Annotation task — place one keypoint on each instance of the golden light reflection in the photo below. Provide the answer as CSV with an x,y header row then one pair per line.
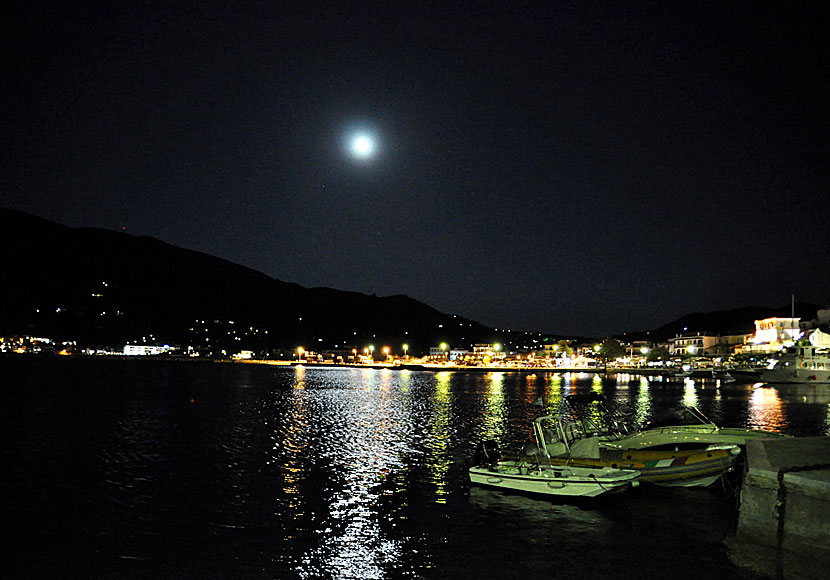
x,y
386,379
299,377
642,410
690,397
494,411
291,442
439,461
552,395
766,410
596,383
406,380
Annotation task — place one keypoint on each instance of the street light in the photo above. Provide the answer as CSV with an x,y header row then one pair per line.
x,y
300,351
386,352
405,348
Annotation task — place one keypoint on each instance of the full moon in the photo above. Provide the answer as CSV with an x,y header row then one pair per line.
x,y
362,145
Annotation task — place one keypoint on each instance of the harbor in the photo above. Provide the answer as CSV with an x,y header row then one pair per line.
x,y
140,468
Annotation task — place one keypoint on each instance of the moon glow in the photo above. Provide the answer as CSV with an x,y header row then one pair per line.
x,y
362,145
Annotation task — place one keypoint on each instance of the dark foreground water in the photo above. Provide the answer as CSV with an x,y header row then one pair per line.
x,y
144,469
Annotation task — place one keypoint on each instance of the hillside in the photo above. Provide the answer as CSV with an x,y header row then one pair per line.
x,y
99,286
726,322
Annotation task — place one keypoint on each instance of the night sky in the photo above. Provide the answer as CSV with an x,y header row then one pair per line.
x,y
571,168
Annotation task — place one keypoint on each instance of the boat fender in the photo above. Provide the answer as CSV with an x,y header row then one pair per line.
x,y
487,453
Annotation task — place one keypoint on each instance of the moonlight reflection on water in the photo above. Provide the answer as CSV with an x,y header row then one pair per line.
x,y
133,469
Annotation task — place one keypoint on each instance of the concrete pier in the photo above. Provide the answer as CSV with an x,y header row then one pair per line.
x,y
784,520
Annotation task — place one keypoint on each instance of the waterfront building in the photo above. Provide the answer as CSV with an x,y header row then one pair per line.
x,y
145,350
772,335
692,344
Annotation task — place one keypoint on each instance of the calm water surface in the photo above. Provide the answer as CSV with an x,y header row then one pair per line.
x,y
146,469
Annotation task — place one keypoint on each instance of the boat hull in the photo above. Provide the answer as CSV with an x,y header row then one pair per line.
x,y
558,480
794,375
692,468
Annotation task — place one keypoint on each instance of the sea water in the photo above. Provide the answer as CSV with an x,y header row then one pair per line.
x,y
171,469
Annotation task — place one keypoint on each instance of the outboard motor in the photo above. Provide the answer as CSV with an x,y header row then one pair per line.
x,y
487,453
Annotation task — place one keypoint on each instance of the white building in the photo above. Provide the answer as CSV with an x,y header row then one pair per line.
x,y
692,344
145,350
773,334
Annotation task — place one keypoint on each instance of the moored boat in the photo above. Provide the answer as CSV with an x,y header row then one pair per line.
x,y
682,427
803,363
541,477
568,443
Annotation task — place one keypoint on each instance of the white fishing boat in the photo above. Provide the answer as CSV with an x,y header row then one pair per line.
x,y
803,363
537,475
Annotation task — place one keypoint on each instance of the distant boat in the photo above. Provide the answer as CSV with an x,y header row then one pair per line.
x,y
802,363
722,376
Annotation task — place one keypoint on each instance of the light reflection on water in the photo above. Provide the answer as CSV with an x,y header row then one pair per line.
x,y
245,471
766,410
690,398
642,409
356,440
439,436
494,409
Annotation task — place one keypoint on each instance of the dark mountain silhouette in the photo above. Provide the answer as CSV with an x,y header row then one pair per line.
x,y
726,322
100,286
97,286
